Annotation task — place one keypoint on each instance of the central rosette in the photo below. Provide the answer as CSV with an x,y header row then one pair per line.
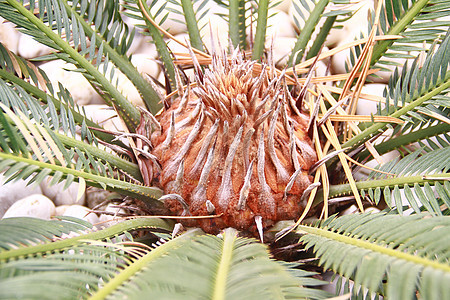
x,y
236,146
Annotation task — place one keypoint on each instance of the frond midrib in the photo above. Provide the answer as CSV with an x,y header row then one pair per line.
x,y
323,232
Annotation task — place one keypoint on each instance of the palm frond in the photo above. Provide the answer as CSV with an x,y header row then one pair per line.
x,y
410,181
409,253
39,261
419,22
216,268
93,51
307,17
31,150
417,87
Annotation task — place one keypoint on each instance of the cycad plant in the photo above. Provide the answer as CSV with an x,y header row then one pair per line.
x,y
237,148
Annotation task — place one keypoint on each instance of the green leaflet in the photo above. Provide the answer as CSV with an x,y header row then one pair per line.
x,y
410,252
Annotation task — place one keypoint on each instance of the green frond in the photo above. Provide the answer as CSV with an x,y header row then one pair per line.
x,y
416,20
308,24
36,151
237,23
36,237
92,51
409,253
41,262
214,268
412,179
141,11
418,86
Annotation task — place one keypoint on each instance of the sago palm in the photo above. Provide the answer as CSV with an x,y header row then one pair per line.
x,y
246,148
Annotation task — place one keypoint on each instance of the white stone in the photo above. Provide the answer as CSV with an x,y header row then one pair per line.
x,y
218,27
29,48
368,107
9,36
78,86
363,173
105,116
282,48
278,25
108,220
285,5
61,196
37,206
60,210
174,23
81,212
13,191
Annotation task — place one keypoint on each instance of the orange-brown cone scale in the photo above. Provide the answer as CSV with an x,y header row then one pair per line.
x,y
236,146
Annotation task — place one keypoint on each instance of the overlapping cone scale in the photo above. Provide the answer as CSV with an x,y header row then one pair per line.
x,y
234,145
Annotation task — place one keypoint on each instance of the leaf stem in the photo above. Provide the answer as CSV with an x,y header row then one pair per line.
x,y
109,232
323,232
344,189
123,187
377,126
260,36
224,264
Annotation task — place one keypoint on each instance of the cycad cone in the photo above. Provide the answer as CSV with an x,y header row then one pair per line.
x,y
234,146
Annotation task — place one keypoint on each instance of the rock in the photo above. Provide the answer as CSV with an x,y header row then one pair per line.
x,y
61,196
284,5
219,29
37,206
28,48
365,106
81,212
13,191
279,24
174,23
108,220
282,48
96,196
78,86
105,116
9,36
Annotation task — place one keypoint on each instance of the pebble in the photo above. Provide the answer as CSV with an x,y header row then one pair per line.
x,y
61,196
368,107
14,191
96,196
9,36
108,220
28,48
104,116
80,89
80,212
37,206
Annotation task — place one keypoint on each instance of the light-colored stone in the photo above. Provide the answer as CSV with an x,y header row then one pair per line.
x,y
282,48
285,5
96,196
60,210
28,48
37,206
279,24
363,173
14,191
9,36
81,212
80,89
105,116
108,220
174,23
61,196
368,107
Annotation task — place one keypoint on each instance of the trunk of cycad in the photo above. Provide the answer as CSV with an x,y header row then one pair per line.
x,y
235,146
